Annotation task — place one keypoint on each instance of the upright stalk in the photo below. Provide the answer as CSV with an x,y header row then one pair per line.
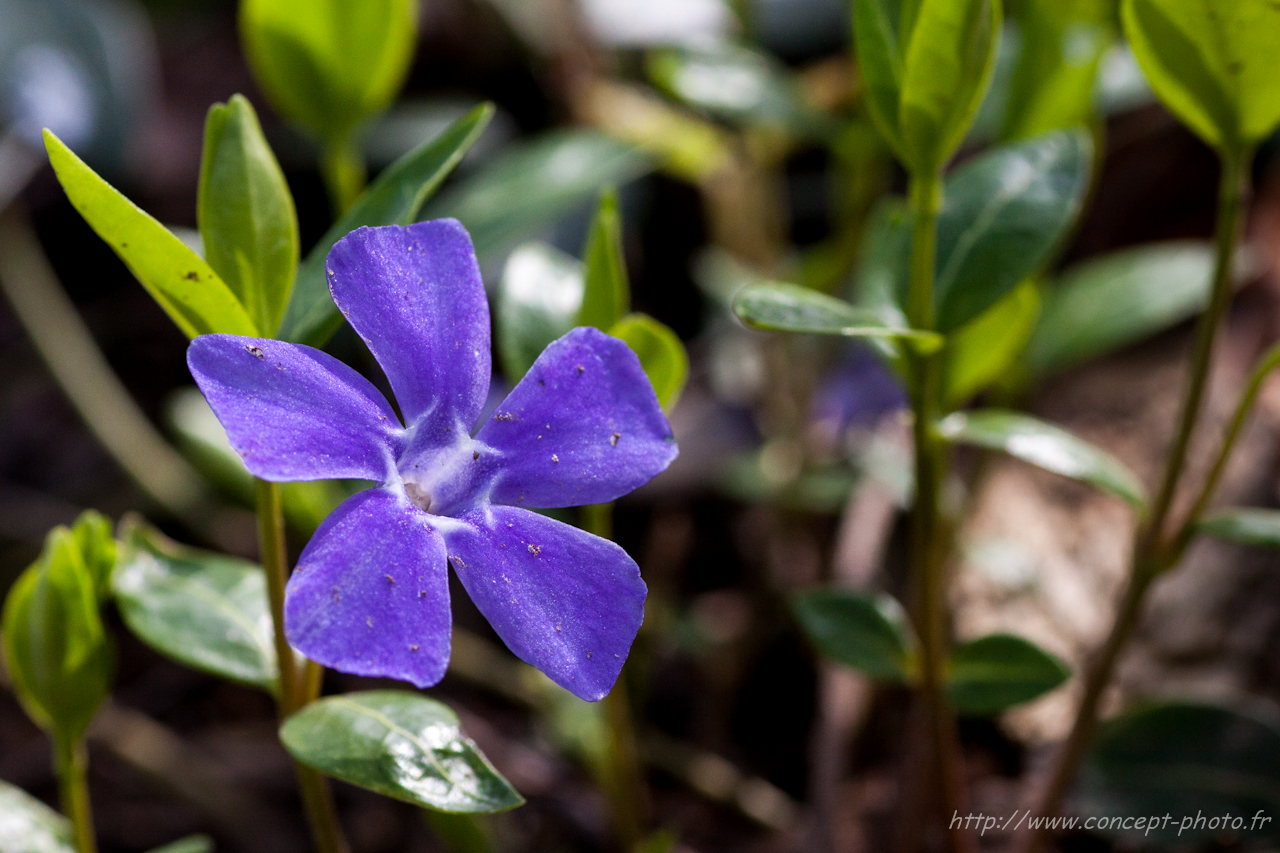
x,y
625,786
342,167
928,566
71,764
295,686
1152,555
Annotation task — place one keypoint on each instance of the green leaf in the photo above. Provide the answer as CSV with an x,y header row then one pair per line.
x,y
331,64
1186,759
992,673
190,844
606,296
1214,64
979,353
1106,303
186,287
946,67
394,198
1003,213
57,652
1245,525
790,308
399,744
538,299
97,547
29,826
246,214
864,631
1045,446
879,34
532,184
662,355
737,84
204,610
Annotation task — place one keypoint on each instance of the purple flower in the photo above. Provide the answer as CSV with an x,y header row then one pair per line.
x,y
371,593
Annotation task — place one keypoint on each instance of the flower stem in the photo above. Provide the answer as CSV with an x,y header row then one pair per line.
x,y
72,762
342,167
928,565
1151,555
625,783
295,686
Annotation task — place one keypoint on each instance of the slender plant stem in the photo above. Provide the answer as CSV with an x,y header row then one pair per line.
x,y
1151,555
342,167
295,686
72,762
928,566
625,783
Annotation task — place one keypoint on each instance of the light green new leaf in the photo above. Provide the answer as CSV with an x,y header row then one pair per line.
x,y
532,184
246,213
864,631
29,826
329,64
992,673
189,844
1045,446
661,354
1189,759
606,297
204,610
946,68
1245,525
980,352
786,307
538,299
394,198
97,546
1106,303
879,34
189,291
1214,63
56,650
399,744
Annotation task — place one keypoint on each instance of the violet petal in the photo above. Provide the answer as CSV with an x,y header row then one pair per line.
x,y
582,427
293,412
415,295
370,595
563,600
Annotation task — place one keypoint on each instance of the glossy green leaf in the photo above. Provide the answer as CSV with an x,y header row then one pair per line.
x,y
864,631
329,64
399,744
946,67
55,647
1214,63
606,295
204,610
189,291
1189,760
737,84
97,545
790,308
662,355
992,673
394,198
1245,525
1002,214
190,844
29,826
1106,303
246,214
1045,446
879,35
538,299
980,352
528,187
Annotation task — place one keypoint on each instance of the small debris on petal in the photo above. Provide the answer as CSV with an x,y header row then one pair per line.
x,y
555,458
590,654
581,368
390,579
557,627
254,351
413,647
368,620
335,595
475,454
534,549
613,439
504,416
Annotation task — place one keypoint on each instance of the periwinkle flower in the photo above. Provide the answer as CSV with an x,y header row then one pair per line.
x,y
370,594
